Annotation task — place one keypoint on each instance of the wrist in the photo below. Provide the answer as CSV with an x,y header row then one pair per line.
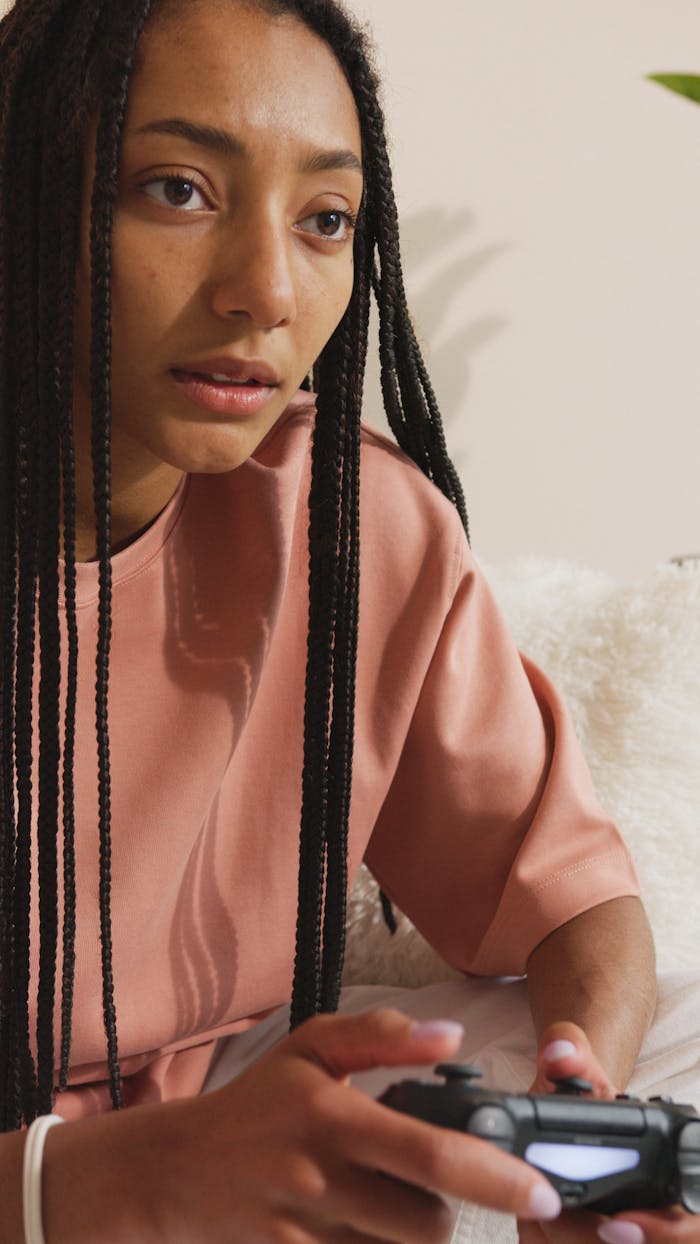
x,y
88,1189
11,1223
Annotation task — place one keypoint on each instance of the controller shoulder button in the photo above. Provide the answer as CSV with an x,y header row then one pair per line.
x,y
665,1101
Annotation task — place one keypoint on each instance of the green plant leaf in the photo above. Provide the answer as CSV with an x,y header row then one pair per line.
x,y
687,84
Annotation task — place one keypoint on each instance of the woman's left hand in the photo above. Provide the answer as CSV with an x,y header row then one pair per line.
x,y
669,1226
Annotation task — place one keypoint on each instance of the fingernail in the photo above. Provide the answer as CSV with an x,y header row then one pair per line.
x,y
558,1049
621,1233
545,1202
437,1028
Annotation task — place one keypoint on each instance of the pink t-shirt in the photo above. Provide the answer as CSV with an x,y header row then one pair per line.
x,y
472,803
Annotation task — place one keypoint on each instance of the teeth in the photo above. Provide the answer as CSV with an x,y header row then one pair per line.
x,y
219,378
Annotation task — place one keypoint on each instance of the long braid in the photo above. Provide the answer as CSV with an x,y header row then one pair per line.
x,y
69,175
8,622
23,226
324,518
50,668
43,104
31,555
104,195
62,183
342,730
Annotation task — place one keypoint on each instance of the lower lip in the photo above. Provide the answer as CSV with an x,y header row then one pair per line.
x,y
224,399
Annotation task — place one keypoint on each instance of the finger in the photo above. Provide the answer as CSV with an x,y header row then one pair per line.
x,y
564,1050
660,1227
343,1044
532,1233
389,1208
573,1227
440,1159
287,1232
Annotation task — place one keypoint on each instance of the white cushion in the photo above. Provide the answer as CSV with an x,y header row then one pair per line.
x,y
627,660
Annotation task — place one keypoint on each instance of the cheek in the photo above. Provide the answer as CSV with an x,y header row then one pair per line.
x,y
147,291
331,301
137,298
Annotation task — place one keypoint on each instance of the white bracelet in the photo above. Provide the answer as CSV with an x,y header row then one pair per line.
x,y
31,1176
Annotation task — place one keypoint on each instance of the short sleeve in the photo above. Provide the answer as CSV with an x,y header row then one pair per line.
x,y
491,835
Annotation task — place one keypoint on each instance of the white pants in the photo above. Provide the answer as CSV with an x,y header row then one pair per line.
x,y
499,1037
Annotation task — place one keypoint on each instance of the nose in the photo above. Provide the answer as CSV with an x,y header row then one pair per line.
x,y
253,273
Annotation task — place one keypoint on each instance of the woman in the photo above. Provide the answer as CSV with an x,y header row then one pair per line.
x,y
197,204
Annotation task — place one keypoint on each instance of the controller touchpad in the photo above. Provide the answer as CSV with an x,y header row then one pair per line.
x,y
581,1161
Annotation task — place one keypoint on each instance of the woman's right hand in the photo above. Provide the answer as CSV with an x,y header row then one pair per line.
x,y
287,1153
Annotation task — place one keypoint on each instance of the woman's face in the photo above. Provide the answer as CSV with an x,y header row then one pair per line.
x,y
233,243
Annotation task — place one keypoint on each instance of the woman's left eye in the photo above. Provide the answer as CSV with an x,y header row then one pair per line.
x,y
335,226
176,192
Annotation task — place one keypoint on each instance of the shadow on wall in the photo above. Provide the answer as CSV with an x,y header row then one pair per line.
x,y
439,265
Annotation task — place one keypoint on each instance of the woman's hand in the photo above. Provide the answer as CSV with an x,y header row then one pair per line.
x,y
580,1227
287,1153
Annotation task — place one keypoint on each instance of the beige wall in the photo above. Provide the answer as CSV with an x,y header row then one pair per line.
x,y
551,199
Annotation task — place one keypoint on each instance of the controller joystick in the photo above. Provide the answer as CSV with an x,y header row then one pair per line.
x,y
600,1155
458,1071
572,1085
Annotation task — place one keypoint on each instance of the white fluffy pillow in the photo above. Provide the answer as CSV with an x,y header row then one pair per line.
x,y
627,660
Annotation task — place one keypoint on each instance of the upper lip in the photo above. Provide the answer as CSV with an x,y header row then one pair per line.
x,y
233,368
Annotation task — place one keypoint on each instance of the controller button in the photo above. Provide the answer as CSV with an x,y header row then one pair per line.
x,y
491,1123
606,1118
689,1166
458,1071
573,1084
571,1194
666,1101
626,1097
689,1142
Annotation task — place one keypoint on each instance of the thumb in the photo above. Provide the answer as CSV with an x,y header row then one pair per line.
x,y
564,1050
344,1044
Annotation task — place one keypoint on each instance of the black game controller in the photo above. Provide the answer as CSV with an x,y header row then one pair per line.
x,y
600,1155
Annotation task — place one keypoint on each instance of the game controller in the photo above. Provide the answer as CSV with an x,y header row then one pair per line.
x,y
600,1155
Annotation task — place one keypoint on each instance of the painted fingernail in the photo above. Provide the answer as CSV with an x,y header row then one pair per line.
x,y
621,1233
558,1049
545,1202
437,1028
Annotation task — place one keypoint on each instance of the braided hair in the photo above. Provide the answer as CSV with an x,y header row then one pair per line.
x,y
61,63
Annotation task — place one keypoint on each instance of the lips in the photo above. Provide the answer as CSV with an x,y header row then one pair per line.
x,y
224,369
225,385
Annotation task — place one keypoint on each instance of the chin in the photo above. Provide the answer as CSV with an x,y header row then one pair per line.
x,y
202,453
209,463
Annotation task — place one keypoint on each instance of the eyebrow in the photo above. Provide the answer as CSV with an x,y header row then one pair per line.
x,y
223,142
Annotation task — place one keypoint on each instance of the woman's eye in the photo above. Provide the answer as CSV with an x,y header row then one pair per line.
x,y
176,192
336,226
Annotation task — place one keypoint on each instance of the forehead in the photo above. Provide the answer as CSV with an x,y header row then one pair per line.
x,y
228,63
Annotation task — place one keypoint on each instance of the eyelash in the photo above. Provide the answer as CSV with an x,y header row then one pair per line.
x,y
348,217
165,178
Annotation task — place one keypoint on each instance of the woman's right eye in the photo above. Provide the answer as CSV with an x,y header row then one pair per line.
x,y
176,192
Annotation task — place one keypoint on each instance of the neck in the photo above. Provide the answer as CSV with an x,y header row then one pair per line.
x,y
141,487
134,508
